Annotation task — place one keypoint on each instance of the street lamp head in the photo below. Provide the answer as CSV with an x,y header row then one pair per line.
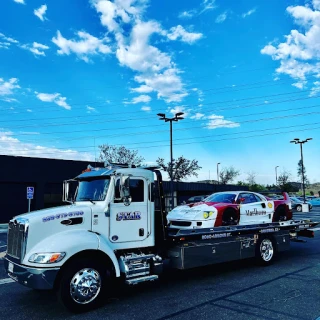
x,y
293,141
277,167
218,163
179,114
308,139
179,118
297,139
161,115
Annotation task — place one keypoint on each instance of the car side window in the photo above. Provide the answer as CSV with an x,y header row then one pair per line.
x,y
248,198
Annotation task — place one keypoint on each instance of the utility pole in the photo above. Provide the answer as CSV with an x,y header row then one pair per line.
x,y
176,118
297,141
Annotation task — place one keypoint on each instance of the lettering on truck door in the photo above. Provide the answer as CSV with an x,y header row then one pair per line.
x,y
130,223
254,209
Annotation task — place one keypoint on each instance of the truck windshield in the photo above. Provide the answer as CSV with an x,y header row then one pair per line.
x,y
92,190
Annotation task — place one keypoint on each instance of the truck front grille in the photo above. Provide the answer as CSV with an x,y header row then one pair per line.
x,y
17,237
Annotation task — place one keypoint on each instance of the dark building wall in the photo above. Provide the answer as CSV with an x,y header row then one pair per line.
x,y
45,175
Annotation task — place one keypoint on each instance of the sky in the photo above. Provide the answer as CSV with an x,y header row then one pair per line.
x,y
77,74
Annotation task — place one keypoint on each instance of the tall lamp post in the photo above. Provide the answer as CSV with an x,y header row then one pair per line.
x,y
176,118
297,141
276,175
218,172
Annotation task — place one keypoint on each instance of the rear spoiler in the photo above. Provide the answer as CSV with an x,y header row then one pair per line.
x,y
285,196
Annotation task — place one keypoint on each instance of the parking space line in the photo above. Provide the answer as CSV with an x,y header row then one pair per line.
x,y
6,280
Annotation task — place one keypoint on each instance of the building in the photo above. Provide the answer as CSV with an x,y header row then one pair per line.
x,y
47,176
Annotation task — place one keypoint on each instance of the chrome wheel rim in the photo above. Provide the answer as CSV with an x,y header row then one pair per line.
x,y
85,286
266,250
299,208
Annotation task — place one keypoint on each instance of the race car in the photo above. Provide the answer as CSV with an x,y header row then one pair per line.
x,y
230,208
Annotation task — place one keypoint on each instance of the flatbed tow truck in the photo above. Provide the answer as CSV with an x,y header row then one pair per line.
x,y
112,232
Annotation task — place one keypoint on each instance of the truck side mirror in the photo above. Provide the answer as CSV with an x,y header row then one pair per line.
x,y
125,190
70,188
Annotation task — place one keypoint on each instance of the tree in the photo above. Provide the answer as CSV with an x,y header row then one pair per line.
x,y
182,168
114,154
283,182
251,178
306,181
228,174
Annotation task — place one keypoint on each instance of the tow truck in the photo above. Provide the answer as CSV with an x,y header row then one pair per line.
x,y
115,230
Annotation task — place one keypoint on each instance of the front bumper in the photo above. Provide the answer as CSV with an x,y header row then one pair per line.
x,y
35,278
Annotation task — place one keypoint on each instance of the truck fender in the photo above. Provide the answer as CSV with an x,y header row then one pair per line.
x,y
71,242
104,247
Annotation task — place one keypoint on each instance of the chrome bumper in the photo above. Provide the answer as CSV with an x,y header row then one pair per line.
x,y
35,278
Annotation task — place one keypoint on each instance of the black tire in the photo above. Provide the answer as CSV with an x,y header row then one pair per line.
x,y
280,215
299,208
230,218
265,251
79,298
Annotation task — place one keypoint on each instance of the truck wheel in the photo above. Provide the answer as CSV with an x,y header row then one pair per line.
x,y
299,208
265,251
82,285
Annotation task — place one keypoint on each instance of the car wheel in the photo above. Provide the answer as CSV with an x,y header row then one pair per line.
x,y
83,284
265,251
230,218
299,207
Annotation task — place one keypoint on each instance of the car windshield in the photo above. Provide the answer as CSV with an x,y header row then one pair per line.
x,y
221,197
92,190
295,199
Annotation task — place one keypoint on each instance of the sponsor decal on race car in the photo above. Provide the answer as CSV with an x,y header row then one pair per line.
x,y
255,212
270,205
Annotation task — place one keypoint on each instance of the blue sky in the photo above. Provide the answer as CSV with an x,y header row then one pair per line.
x,y
79,73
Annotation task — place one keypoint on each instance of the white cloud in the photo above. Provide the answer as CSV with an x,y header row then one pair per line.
x,y
8,87
84,47
316,89
19,1
198,116
155,70
221,18
54,97
177,109
207,5
179,33
29,110
36,48
142,98
299,54
146,108
216,121
187,14
9,99
40,12
6,42
91,109
142,89
249,13
9,145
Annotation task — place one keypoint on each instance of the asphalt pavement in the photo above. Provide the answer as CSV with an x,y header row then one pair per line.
x,y
288,289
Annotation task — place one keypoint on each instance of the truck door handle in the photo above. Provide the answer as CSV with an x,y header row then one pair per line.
x,y
141,232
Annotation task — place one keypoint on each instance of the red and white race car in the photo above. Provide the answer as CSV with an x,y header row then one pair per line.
x,y
230,208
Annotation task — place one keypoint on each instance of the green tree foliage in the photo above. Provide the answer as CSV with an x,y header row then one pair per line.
x,y
228,175
114,154
182,168
299,172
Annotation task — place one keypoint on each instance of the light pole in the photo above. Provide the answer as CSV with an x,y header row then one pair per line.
x,y
176,118
218,172
297,141
276,175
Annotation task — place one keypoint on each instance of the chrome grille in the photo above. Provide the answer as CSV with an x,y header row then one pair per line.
x,y
17,237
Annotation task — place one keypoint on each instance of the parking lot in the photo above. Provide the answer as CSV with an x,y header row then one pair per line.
x,y
288,289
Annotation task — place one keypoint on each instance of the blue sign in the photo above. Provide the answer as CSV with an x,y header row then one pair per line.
x,y
30,192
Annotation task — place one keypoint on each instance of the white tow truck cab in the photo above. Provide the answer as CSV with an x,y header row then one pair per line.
x,y
112,230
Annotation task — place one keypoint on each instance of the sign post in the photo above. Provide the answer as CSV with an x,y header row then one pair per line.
x,y
30,193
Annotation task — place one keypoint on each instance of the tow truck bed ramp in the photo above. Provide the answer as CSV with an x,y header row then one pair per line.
x,y
200,247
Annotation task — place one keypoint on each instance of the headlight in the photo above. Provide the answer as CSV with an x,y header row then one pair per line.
x,y
207,214
47,257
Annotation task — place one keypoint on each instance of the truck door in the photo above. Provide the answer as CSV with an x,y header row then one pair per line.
x,y
130,222
254,210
